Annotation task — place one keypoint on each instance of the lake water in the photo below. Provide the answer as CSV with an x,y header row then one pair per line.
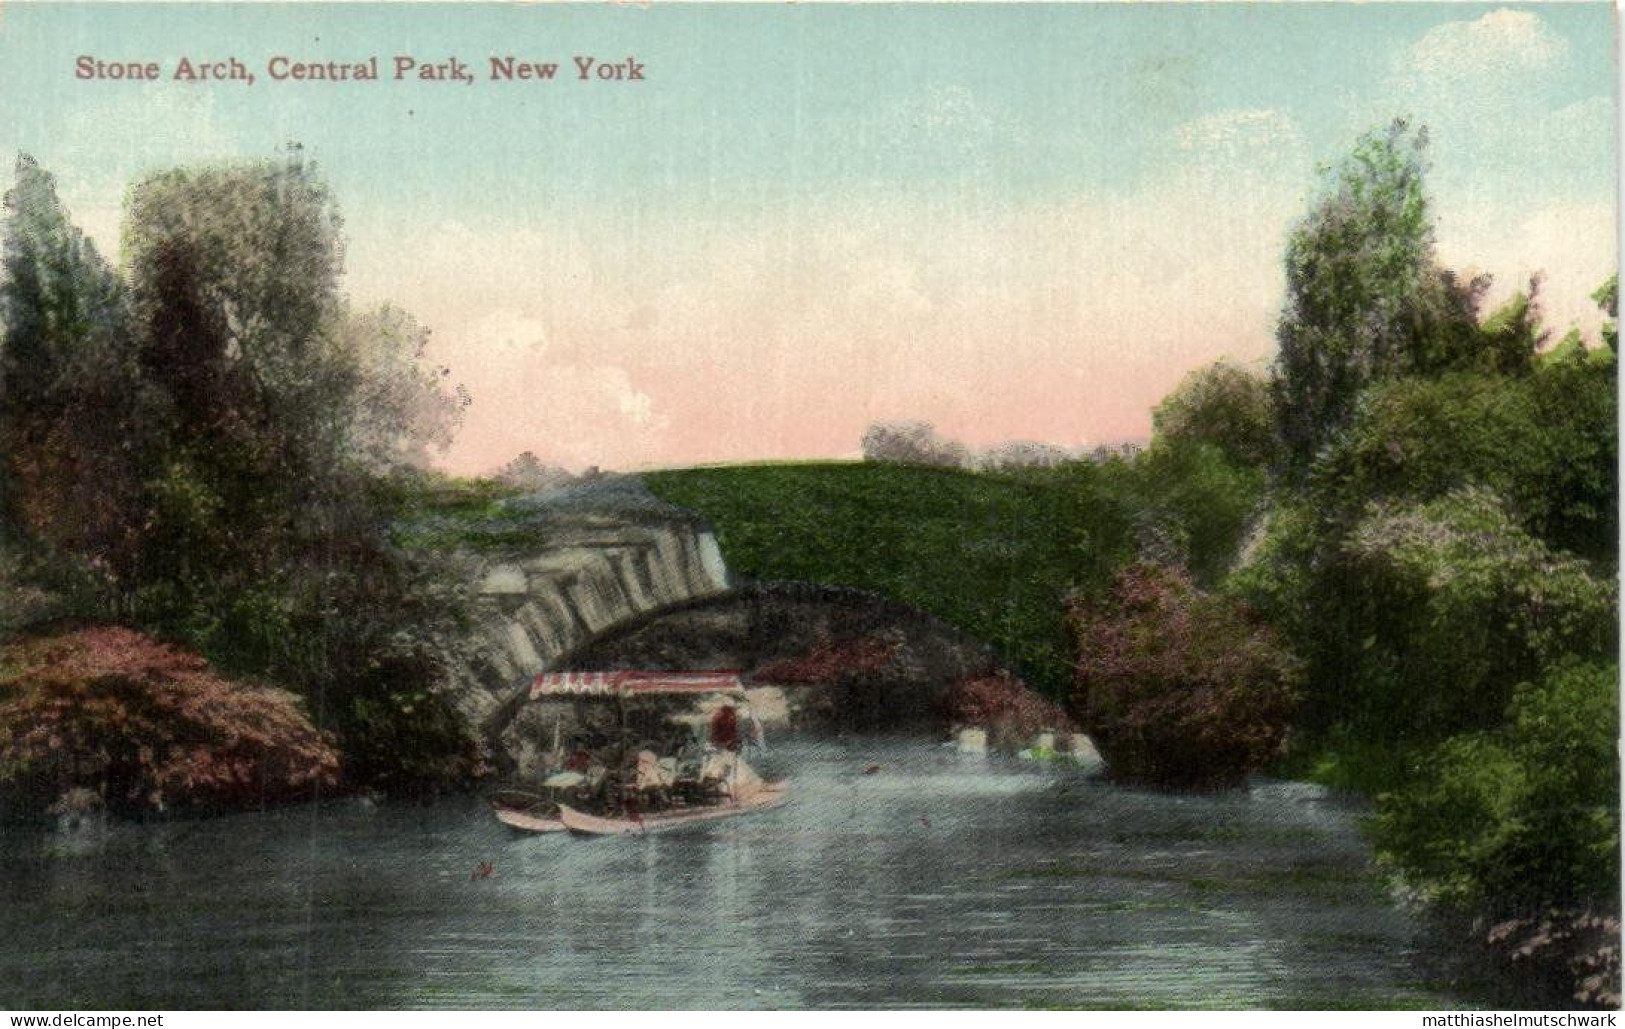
x,y
939,880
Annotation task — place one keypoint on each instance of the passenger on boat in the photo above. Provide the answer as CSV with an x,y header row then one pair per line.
x,y
725,729
654,778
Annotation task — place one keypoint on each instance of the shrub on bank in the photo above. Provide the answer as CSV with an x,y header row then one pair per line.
x,y
146,726
1520,827
871,683
1012,713
1179,688
1521,818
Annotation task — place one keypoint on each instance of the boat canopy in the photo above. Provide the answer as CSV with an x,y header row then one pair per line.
x,y
633,684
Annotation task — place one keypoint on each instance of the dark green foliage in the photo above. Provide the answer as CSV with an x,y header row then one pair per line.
x,y
993,555
1447,606
397,733
1511,335
1607,298
217,428
1199,486
1198,504
1446,536
1226,406
1545,442
62,305
1523,816
71,406
233,286
1177,687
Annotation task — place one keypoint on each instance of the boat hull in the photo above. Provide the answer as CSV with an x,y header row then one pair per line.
x,y
583,824
521,821
526,812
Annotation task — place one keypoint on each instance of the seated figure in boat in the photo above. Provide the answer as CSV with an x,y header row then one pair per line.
x,y
657,744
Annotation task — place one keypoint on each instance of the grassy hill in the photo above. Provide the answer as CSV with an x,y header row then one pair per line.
x,y
994,555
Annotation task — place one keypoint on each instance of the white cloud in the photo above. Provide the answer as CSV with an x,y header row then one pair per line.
x,y
1481,88
1500,43
1572,246
511,330
1239,131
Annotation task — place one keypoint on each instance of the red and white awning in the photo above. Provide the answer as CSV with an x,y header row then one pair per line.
x,y
627,683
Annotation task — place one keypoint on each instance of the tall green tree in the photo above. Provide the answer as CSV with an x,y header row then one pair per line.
x,y
1366,296
69,401
1512,334
233,275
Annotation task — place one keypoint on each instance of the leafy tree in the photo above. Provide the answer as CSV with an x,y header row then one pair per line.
x,y
70,406
1607,298
1434,612
401,410
1225,405
1366,297
1177,687
233,280
1197,489
233,417
1523,818
1512,334
1195,506
1546,443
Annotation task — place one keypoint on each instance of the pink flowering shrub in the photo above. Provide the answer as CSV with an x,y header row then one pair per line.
x,y
1179,688
146,725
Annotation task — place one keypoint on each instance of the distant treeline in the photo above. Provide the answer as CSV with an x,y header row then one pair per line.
x,y
917,442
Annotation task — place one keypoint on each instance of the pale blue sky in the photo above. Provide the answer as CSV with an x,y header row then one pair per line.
x,y
841,199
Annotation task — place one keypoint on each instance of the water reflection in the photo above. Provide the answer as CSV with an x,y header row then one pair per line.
x,y
939,880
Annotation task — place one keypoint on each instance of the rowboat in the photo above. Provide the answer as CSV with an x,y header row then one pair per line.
x,y
526,812
643,786
763,798
520,821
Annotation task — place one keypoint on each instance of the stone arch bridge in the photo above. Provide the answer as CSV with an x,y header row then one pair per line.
x,y
625,580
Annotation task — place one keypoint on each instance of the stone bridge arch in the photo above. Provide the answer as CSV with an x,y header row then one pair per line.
x,y
754,626
617,578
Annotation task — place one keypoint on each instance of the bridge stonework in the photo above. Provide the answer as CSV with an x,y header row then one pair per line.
x,y
600,567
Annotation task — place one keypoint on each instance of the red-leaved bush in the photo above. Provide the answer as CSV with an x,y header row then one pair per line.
x,y
872,683
827,662
1012,713
146,725
1179,688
